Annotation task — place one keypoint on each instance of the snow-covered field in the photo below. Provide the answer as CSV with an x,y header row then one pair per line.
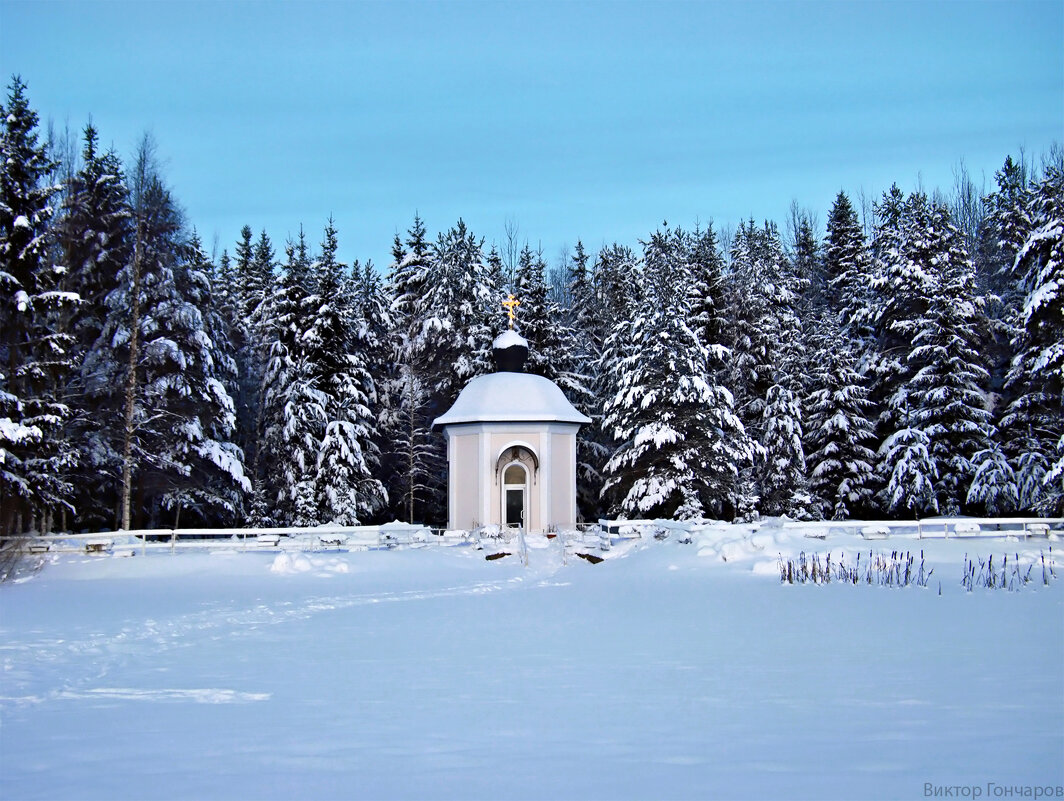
x,y
666,671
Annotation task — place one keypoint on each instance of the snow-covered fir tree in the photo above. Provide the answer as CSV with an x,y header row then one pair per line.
x,y
1036,379
617,296
902,282
767,364
453,325
840,434
335,345
681,446
993,490
95,239
765,326
1007,223
845,266
550,340
592,450
806,262
252,330
287,379
157,374
35,359
413,458
709,302
188,365
948,388
909,472
459,312
782,480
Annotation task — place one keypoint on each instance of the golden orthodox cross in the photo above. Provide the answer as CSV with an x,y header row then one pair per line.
x,y
511,303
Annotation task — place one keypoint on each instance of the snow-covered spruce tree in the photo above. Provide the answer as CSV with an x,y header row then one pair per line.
x,y
538,319
592,450
1035,421
243,254
252,333
768,358
1007,223
496,270
286,380
95,238
839,432
782,480
909,472
460,313
948,388
157,372
335,344
993,489
94,233
412,458
374,339
226,316
709,302
34,351
903,281
188,364
846,267
806,263
455,321
618,296
710,298
296,438
766,330
550,339
680,444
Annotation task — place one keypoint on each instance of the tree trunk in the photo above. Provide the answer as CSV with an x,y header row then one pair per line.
x,y
131,384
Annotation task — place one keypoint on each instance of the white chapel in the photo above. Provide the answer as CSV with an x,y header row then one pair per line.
x,y
511,447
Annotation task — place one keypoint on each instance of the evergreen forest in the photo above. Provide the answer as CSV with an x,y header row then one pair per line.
x,y
905,361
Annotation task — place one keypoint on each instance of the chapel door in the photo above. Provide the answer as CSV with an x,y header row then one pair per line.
x,y
515,507
514,495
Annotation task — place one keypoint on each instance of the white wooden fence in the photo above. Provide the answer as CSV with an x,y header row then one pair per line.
x,y
933,528
600,536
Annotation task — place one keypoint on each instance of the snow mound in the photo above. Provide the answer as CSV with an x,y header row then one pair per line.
x,y
286,564
716,544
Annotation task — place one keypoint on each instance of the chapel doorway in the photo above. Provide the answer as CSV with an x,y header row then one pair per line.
x,y
514,495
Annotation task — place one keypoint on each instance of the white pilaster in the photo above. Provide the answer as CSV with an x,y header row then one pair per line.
x,y
487,476
546,467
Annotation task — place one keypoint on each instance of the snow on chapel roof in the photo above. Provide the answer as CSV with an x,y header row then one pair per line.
x,y
511,398
509,338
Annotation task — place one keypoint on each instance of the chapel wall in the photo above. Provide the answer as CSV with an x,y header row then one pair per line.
x,y
563,480
464,475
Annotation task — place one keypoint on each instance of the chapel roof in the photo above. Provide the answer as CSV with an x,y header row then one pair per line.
x,y
511,398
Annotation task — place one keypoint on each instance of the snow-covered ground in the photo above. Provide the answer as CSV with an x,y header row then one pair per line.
x,y
667,671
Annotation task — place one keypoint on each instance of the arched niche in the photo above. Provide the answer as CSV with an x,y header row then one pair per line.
x,y
518,453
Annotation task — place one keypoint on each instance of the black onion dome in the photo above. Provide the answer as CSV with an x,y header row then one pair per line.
x,y
510,350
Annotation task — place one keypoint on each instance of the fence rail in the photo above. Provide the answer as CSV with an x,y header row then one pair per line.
x,y
932,528
391,535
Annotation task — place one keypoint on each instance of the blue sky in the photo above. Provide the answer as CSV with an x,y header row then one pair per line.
x,y
592,120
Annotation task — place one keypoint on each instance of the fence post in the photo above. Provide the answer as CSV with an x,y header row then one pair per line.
x,y
522,545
